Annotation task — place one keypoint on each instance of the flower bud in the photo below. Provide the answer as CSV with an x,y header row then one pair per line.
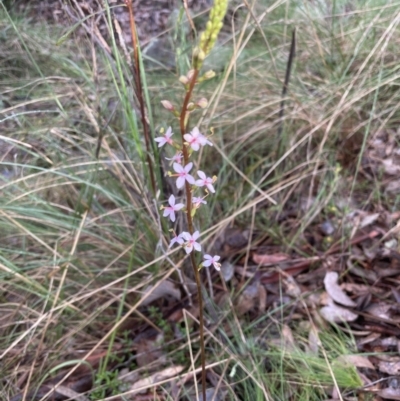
x,y
190,106
202,103
183,80
202,55
189,75
167,105
209,74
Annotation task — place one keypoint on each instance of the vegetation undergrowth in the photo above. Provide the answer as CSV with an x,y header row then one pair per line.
x,y
83,245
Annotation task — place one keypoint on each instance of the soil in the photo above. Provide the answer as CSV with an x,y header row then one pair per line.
x,y
153,17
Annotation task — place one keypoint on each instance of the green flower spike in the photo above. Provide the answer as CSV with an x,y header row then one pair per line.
x,y
209,36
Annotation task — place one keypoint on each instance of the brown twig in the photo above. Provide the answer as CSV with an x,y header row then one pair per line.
x,y
139,92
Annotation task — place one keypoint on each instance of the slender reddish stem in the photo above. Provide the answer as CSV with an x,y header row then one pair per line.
x,y
183,123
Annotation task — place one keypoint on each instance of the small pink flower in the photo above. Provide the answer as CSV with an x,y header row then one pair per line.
x,y
202,138
197,201
212,260
190,241
196,139
166,138
172,208
183,174
178,239
177,158
205,181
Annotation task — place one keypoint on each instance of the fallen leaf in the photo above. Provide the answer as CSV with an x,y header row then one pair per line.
x,y
393,186
390,167
177,315
275,276
358,361
389,393
154,379
383,273
327,227
262,298
356,288
336,314
247,299
148,350
389,367
270,259
369,339
165,289
212,394
244,304
333,289
127,376
227,270
313,341
236,238
380,310
369,219
362,272
288,342
292,288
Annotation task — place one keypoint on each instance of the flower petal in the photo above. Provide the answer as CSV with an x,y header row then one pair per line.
x,y
185,235
211,188
177,167
169,132
190,179
180,182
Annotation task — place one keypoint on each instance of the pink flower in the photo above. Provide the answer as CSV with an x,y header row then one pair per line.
x,y
190,241
172,208
203,139
178,239
212,260
205,181
166,138
183,174
197,201
177,158
196,139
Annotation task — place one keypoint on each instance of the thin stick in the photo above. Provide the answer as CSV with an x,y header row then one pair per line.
x,y
286,83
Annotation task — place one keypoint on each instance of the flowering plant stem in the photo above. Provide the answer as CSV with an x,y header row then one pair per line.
x,y
190,142
183,120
